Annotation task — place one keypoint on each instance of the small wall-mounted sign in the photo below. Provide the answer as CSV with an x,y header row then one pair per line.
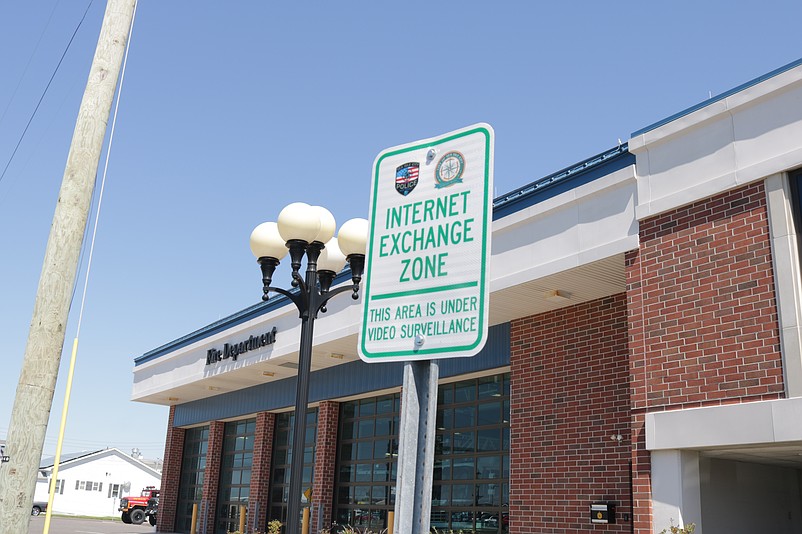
x,y
602,513
232,350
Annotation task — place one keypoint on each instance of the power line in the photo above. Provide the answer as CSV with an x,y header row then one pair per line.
x,y
27,65
41,98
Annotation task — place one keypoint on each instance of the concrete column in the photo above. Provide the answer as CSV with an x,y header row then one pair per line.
x,y
676,491
787,280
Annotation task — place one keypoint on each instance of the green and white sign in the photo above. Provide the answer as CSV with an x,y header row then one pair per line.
x,y
427,268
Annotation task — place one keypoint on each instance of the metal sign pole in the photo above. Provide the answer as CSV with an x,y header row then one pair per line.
x,y
416,447
427,290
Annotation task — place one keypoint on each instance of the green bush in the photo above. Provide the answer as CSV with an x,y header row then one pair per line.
x,y
674,529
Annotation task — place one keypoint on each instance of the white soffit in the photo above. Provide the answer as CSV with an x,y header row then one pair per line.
x,y
573,243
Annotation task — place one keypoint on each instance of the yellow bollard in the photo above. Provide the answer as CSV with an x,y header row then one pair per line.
x,y
305,523
194,524
390,521
242,514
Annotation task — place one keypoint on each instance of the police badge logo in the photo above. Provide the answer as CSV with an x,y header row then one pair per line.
x,y
406,177
449,170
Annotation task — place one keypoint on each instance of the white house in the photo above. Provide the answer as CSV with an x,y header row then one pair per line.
x,y
92,483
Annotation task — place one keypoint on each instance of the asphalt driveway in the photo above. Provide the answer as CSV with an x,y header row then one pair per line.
x,y
70,525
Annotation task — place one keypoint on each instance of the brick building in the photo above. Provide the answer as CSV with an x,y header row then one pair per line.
x,y
645,351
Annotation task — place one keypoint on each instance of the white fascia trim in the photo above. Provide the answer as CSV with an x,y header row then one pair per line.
x,y
351,324
615,179
749,96
725,182
285,319
706,189
186,365
750,423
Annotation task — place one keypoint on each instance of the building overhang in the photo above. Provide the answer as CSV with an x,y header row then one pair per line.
x,y
561,245
760,431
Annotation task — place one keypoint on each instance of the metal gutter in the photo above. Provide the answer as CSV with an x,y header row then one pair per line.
x,y
566,179
718,98
257,310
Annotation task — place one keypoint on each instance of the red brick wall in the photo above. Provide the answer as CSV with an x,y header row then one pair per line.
x,y
569,395
328,417
702,314
641,462
171,476
211,477
640,457
259,503
702,317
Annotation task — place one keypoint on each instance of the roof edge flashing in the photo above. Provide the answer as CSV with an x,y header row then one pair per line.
x,y
717,98
251,312
566,179
550,185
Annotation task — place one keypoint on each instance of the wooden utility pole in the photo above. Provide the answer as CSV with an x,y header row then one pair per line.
x,y
37,382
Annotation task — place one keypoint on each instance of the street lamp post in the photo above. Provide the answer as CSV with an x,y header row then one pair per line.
x,y
304,230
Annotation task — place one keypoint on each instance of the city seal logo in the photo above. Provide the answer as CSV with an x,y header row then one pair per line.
x,y
449,170
406,177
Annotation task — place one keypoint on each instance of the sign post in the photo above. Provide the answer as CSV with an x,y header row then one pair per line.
x,y
426,290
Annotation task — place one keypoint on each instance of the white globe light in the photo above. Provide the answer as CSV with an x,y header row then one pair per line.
x,y
353,236
267,242
327,225
299,221
331,258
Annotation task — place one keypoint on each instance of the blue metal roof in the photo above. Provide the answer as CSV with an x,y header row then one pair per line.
x,y
547,187
528,195
223,324
564,180
717,98
275,302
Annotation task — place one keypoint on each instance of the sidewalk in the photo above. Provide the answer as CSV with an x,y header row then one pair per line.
x,y
74,525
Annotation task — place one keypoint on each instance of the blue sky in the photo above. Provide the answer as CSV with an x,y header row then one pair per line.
x,y
231,110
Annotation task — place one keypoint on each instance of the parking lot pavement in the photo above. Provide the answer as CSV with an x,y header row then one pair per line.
x,y
71,525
